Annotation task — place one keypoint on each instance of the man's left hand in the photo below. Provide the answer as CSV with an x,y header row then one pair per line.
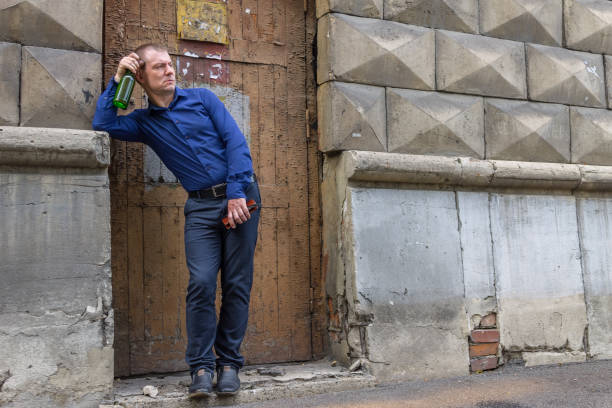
x,y
237,211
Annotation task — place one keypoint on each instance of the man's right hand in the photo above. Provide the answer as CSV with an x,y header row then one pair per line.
x,y
131,62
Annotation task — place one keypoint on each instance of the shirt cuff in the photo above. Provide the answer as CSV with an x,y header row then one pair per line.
x,y
234,190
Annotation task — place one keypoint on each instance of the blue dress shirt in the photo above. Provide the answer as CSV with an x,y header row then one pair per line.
x,y
196,138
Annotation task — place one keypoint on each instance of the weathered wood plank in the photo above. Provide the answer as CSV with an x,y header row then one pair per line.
x,y
249,20
280,125
298,178
267,152
153,278
135,272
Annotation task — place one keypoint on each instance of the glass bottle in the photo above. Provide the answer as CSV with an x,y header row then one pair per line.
x,y
124,90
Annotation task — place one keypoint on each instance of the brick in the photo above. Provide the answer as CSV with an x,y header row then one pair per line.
x,y
422,122
588,25
351,117
482,364
484,349
59,88
479,65
531,21
66,24
591,136
526,131
362,8
489,320
375,52
455,15
563,76
10,66
485,336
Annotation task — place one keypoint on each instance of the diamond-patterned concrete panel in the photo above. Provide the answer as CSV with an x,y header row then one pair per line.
x,y
608,66
525,131
352,117
588,25
59,88
362,8
479,65
422,122
375,52
65,24
562,76
455,15
591,136
532,21
10,65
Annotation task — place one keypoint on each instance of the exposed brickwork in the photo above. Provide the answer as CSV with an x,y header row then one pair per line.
x,y
485,336
489,321
484,363
484,349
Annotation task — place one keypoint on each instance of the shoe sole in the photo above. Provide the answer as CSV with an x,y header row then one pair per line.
x,y
226,393
200,394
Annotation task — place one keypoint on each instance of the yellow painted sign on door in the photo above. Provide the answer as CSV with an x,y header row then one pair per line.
x,y
202,21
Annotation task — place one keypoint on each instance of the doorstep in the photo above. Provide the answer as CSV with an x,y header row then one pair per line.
x,y
259,383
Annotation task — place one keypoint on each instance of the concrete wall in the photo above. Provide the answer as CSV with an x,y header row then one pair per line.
x,y
56,319
468,232
423,249
50,62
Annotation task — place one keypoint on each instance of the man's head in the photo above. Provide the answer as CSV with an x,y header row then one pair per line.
x,y
156,74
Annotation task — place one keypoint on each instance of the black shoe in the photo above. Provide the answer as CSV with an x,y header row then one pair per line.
x,y
201,384
228,382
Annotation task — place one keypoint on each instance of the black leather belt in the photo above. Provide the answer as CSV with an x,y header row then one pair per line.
x,y
217,191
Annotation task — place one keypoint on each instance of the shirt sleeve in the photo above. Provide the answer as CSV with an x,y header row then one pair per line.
x,y
237,154
106,119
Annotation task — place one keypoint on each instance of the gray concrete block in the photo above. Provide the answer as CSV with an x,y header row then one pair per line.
x,y
351,117
594,215
608,67
524,131
10,67
477,253
56,312
407,261
375,52
562,76
591,136
538,273
531,21
59,88
422,122
455,15
362,8
478,65
588,25
46,147
66,24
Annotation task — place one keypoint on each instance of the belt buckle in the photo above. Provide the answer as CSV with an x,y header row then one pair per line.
x,y
214,190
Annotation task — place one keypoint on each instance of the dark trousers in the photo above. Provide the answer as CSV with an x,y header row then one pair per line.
x,y
209,247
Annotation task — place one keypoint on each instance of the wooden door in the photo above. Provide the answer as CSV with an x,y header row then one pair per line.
x,y
265,77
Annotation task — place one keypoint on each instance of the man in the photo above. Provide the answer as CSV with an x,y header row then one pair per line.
x,y
199,141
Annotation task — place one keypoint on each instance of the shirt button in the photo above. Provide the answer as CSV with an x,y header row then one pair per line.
x,y
186,137
176,121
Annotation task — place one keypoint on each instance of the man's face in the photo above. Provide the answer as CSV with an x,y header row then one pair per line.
x,y
158,74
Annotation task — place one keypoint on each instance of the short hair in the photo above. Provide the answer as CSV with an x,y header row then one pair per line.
x,y
154,46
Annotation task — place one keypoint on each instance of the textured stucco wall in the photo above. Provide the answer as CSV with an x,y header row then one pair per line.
x,y
56,319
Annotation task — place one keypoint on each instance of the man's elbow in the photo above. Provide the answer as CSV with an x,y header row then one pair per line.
x,y
99,125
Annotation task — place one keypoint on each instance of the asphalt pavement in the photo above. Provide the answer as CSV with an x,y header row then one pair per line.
x,y
581,385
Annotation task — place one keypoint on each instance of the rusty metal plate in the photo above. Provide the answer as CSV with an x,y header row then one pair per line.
x,y
202,20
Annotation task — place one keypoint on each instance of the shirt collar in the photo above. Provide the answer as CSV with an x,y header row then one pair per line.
x,y
178,93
